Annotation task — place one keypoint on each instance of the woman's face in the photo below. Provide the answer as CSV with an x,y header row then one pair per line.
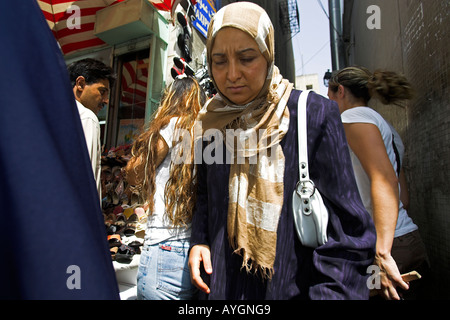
x,y
337,96
238,67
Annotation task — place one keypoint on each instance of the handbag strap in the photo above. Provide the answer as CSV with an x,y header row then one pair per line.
x,y
302,139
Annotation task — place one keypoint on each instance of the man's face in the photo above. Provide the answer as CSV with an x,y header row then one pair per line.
x,y
93,96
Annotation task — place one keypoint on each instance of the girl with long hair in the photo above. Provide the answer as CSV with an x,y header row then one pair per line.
x,y
169,186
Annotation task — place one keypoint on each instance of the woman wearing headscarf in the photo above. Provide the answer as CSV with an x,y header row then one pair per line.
x,y
243,243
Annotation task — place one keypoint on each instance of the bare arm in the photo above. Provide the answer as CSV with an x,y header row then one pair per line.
x,y
366,142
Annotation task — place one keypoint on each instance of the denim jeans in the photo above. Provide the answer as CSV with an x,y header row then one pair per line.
x,y
163,272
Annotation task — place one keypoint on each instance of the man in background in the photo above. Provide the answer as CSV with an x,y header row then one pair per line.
x,y
91,81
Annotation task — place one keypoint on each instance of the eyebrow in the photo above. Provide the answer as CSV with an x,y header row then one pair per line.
x,y
104,88
238,52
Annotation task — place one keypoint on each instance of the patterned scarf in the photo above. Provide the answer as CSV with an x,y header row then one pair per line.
x,y
257,170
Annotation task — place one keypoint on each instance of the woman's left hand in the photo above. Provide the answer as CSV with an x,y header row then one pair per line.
x,y
390,277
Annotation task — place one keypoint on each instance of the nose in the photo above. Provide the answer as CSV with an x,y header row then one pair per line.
x,y
234,72
105,99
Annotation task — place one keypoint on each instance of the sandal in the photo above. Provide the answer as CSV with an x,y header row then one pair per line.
x,y
117,210
132,223
142,216
136,246
182,65
120,222
125,254
128,212
114,240
110,224
113,252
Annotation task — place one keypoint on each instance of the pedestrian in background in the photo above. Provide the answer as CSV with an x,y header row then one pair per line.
x,y
377,154
169,186
91,82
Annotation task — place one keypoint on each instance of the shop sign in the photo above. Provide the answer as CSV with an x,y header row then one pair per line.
x,y
204,10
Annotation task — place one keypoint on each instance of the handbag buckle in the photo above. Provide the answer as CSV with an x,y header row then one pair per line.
x,y
305,189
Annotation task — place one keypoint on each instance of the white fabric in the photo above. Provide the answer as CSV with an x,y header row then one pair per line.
x,y
91,128
159,226
367,115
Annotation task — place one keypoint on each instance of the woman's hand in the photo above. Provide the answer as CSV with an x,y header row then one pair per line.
x,y
390,277
200,253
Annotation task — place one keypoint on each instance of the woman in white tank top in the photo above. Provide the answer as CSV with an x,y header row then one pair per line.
x,y
377,152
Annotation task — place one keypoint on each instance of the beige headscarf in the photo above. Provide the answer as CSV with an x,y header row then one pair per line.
x,y
256,180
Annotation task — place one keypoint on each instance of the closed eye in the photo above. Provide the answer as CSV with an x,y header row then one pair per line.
x,y
247,60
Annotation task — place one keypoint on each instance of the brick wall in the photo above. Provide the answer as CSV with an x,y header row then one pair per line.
x,y
414,40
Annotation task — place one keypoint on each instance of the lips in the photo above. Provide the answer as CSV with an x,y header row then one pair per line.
x,y
236,89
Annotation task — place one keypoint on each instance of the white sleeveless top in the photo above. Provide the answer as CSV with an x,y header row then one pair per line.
x,y
159,227
367,115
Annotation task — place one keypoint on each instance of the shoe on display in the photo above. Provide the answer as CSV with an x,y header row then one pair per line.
x,y
184,47
181,64
183,22
176,72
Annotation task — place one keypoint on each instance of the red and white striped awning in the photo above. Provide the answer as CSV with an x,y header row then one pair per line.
x,y
134,82
73,39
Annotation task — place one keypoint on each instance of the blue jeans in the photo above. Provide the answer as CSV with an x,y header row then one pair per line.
x,y
163,272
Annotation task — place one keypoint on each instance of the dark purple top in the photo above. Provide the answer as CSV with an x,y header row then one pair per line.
x,y
336,270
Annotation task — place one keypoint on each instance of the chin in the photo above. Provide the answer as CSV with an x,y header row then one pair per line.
x,y
239,100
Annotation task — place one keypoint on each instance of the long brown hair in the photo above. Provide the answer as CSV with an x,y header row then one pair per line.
x,y
387,86
183,99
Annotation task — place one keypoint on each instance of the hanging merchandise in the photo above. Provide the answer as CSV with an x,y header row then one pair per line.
x,y
184,37
205,82
202,76
176,73
182,65
182,20
184,48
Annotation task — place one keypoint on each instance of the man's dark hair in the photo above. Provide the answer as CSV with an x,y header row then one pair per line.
x,y
92,70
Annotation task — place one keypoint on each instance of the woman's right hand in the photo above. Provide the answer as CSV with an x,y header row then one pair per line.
x,y
200,253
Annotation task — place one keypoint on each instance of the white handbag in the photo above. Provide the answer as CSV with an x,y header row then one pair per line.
x,y
310,213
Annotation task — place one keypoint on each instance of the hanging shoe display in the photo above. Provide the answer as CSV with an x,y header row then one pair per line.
x,y
183,45
182,20
181,64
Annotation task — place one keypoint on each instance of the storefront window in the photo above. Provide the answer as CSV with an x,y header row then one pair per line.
x,y
132,97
